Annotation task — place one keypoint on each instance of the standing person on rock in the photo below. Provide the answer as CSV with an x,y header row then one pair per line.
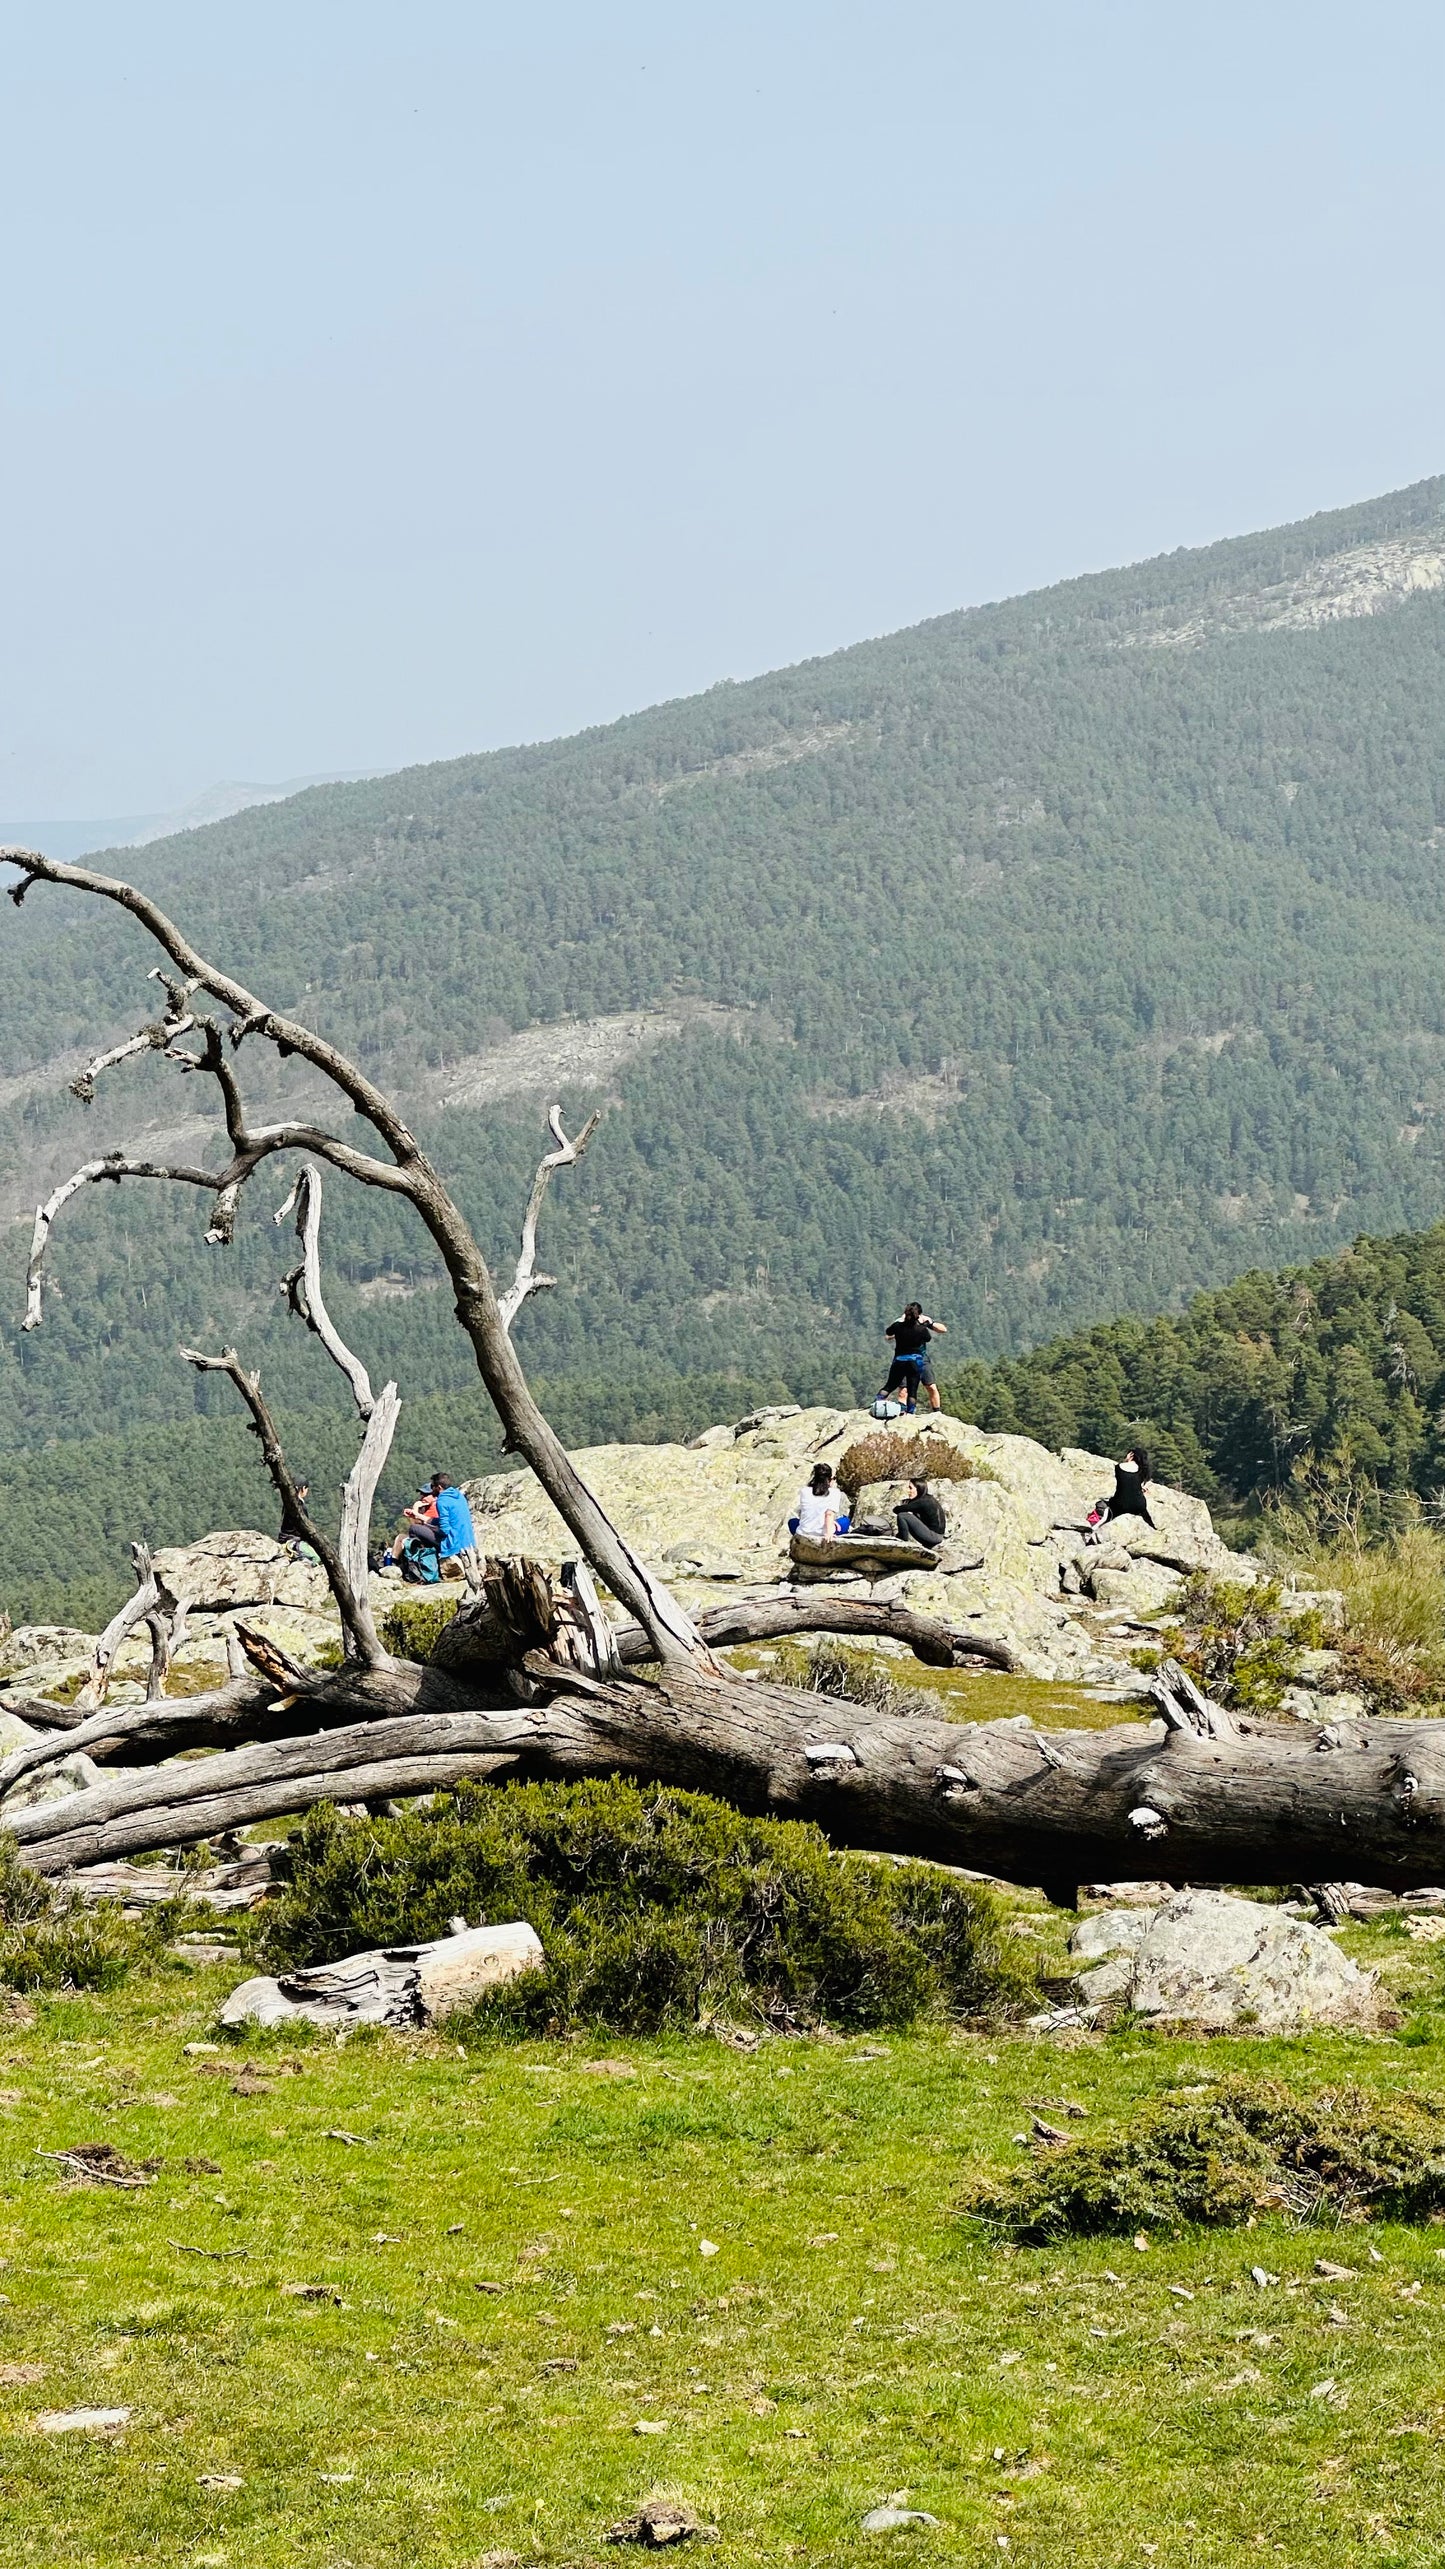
x,y
910,1370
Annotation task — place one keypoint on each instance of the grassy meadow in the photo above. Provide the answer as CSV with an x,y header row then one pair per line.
x,y
545,2279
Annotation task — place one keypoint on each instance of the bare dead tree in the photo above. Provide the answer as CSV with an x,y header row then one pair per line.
x,y
408,1173
565,1156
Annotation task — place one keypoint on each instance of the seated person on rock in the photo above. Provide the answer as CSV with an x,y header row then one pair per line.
x,y
456,1534
920,1518
419,1552
291,1534
1131,1480
817,1515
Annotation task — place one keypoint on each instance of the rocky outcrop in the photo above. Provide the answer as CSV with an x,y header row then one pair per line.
x,y
716,1511
1203,1958
712,1519
239,1568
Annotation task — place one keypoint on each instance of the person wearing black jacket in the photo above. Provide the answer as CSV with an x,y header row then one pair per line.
x,y
1131,1480
920,1519
910,1371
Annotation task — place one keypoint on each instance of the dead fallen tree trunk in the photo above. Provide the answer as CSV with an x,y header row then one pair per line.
x,y
251,1709
780,1618
193,1798
1263,1804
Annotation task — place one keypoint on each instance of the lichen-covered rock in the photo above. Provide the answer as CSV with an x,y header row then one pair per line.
x,y
1204,1958
718,1509
34,1645
238,1567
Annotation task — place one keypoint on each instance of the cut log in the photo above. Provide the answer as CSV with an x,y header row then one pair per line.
x,y
397,1985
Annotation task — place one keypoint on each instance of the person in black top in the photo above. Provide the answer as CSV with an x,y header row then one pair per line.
x,y
920,1519
1131,1480
910,1370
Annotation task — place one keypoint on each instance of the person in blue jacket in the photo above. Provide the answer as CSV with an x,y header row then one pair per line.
x,y
454,1525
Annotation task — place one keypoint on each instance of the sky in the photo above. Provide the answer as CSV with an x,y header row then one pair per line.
x,y
381,383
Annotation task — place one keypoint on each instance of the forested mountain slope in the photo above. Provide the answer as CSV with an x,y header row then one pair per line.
x,y
1325,1382
1051,959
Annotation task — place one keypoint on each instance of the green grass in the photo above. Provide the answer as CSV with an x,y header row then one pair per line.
x,y
1014,2393
960,1694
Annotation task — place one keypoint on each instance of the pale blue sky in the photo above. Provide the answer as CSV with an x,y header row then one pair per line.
x,y
381,383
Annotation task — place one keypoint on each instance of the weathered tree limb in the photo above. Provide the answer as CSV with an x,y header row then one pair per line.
x,y
1182,1706
302,1287
359,1493
140,1608
780,1618
111,1169
589,1639
352,1602
565,1156
412,1175
250,1709
157,1037
160,1667
269,1798
195,1798
303,1290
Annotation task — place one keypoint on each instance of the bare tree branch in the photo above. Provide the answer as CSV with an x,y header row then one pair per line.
x,y
113,1168
302,1287
566,1155
137,1609
669,1627
360,1491
352,1603
160,1667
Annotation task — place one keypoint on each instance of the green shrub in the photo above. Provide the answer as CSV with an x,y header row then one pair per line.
x,y
52,1939
412,1627
1392,1647
654,1908
81,1949
1240,1640
886,1457
1225,2154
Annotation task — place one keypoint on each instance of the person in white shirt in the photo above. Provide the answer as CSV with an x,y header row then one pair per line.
x,y
818,1505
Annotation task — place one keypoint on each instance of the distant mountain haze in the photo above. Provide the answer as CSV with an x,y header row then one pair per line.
x,y
69,840
1050,960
